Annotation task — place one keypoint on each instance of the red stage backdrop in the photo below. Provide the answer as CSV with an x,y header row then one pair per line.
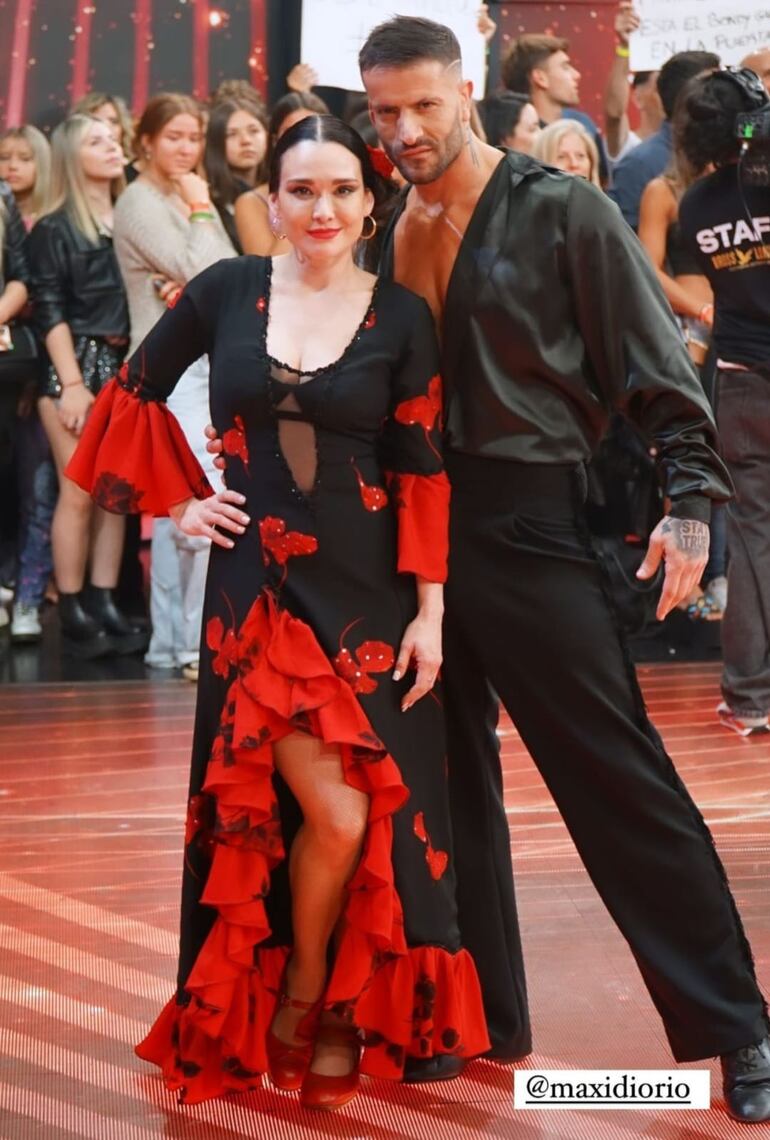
x,y
52,51
588,27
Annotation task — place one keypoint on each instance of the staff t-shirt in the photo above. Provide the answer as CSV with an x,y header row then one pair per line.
x,y
730,236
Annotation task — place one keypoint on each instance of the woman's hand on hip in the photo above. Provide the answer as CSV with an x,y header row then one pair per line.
x,y
201,517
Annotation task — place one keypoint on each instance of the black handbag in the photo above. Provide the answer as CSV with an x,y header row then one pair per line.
x,y
21,362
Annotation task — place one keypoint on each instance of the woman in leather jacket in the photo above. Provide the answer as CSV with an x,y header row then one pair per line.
x,y
82,318
14,276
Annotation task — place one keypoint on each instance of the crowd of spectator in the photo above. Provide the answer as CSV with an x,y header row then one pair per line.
x,y
103,225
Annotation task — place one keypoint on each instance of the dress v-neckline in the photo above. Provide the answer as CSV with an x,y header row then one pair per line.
x,y
324,369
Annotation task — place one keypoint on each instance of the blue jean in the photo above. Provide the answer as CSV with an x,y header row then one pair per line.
x,y
38,490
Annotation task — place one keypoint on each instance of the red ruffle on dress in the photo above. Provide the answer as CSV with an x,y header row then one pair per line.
x,y
303,622
133,456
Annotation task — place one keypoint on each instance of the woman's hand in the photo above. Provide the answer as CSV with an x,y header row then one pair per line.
x,y
193,189
421,643
74,405
202,516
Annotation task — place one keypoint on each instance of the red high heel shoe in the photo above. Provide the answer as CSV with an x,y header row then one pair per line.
x,y
286,1063
320,1091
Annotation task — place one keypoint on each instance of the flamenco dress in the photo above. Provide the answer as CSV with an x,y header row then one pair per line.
x,y
344,484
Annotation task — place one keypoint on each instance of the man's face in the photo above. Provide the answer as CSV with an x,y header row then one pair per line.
x,y
559,78
421,115
759,61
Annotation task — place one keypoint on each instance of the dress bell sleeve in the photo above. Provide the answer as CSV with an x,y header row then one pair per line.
x,y
412,453
133,456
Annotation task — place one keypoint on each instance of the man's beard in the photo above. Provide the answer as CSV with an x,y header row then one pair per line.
x,y
445,153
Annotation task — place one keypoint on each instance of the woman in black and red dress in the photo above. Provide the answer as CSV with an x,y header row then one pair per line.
x,y
318,911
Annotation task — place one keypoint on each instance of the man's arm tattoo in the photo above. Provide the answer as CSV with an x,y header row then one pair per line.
x,y
689,535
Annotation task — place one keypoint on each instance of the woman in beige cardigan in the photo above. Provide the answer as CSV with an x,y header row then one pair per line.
x,y
167,230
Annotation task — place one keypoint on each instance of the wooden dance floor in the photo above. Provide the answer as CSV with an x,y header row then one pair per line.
x,y
93,781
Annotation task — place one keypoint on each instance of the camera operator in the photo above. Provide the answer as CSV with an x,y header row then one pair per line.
x,y
724,121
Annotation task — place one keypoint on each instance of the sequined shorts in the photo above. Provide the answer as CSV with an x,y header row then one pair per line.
x,y
98,359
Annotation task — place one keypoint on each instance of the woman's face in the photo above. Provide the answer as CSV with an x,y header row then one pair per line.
x,y
245,141
108,113
176,149
292,119
100,156
524,134
17,165
572,155
321,201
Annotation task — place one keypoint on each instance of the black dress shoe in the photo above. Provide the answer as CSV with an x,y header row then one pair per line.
x,y
746,1082
505,1054
444,1067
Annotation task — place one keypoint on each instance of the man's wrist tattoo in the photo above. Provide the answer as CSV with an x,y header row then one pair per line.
x,y
689,535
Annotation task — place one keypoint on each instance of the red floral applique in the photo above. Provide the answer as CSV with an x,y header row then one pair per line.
x,y
437,861
374,498
116,495
234,442
223,643
422,410
283,544
356,667
371,320
261,305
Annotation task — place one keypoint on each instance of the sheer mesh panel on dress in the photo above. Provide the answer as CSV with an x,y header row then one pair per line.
x,y
296,436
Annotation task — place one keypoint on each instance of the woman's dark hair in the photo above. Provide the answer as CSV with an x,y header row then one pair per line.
x,y
327,128
500,115
226,184
408,39
288,104
704,124
362,125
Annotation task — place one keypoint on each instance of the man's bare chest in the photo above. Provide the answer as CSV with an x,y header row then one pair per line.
x,y
426,247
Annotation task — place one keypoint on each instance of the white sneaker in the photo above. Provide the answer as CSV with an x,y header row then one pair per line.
x,y
743,725
25,625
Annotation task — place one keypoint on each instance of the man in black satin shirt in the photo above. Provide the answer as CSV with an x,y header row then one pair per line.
x,y
551,317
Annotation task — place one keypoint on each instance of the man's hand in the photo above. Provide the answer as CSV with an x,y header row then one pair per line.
x,y
214,447
626,21
684,546
485,24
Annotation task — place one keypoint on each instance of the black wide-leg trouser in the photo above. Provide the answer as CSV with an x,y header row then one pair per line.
x,y
529,615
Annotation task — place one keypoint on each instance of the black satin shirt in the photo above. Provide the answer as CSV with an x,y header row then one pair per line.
x,y
75,281
13,264
553,318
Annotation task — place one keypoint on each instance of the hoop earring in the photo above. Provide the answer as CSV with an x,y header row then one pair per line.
x,y
373,231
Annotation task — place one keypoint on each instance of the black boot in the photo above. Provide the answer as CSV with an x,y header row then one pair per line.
x,y
746,1082
125,636
82,636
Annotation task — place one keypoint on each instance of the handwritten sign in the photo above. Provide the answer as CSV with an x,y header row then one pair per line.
x,y
731,28
333,32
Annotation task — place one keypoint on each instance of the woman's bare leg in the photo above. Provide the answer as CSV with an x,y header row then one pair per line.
x,y
323,857
71,526
108,532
